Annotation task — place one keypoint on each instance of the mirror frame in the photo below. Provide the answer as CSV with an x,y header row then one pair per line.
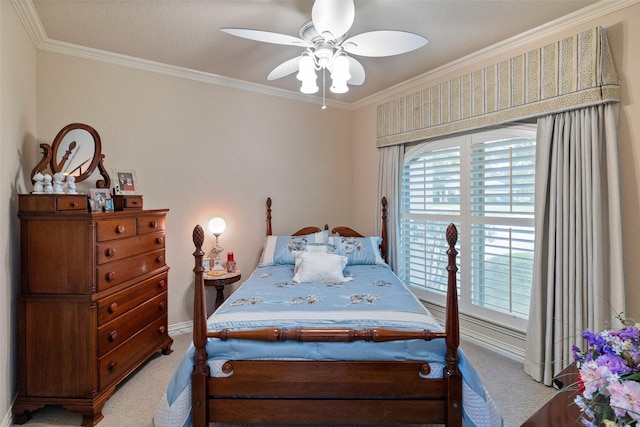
x,y
50,154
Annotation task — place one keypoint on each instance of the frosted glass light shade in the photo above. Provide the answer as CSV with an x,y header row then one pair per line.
x,y
217,225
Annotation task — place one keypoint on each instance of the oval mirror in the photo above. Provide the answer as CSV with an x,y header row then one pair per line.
x,y
77,151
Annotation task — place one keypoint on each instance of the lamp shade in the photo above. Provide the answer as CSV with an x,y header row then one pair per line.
x,y
306,67
340,68
217,225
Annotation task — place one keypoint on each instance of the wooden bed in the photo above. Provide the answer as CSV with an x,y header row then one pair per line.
x,y
326,392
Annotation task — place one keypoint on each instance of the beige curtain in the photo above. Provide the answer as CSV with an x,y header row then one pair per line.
x,y
389,181
578,270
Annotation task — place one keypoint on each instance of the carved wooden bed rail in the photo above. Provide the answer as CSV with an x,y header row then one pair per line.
x,y
325,335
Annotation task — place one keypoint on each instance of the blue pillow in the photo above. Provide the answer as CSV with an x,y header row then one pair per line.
x,y
359,250
280,249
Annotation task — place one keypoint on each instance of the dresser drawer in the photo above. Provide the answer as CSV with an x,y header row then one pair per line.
x,y
117,272
126,202
124,358
113,250
151,223
71,203
117,304
119,330
53,203
116,228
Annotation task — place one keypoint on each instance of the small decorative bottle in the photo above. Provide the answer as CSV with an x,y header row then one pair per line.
x,y
231,263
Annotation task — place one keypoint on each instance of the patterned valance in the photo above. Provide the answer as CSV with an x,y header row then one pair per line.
x,y
574,72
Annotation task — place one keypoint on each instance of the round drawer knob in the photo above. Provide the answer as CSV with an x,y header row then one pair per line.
x,y
120,229
113,307
110,252
112,366
161,330
153,224
110,276
160,259
160,240
161,283
113,335
161,306
74,204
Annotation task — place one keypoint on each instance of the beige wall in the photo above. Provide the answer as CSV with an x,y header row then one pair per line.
x,y
17,130
623,30
201,151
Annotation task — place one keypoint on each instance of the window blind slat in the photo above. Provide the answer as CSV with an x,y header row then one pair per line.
x,y
481,178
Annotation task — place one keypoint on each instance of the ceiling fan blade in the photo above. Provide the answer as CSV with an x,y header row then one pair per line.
x,y
383,43
333,18
357,72
287,67
265,36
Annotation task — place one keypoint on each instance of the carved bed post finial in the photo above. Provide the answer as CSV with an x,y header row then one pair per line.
x,y
269,232
198,236
452,326
201,369
452,330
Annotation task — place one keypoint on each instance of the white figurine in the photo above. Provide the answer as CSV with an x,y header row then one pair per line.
x,y
38,186
71,184
58,183
48,187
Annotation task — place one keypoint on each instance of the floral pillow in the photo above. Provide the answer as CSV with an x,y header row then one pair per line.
x,y
358,250
320,267
279,250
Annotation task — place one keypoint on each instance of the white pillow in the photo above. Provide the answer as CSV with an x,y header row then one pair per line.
x,y
320,267
278,250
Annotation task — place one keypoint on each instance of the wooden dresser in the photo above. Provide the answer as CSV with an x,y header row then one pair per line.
x,y
93,302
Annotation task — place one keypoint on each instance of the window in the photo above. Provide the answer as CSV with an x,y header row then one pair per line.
x,y
484,184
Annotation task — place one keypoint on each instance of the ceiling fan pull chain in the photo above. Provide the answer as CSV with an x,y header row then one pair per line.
x,y
324,73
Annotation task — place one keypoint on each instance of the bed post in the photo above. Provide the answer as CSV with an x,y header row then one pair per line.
x,y
383,231
269,232
452,329
201,369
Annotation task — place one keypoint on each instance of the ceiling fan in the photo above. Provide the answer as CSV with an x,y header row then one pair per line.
x,y
327,45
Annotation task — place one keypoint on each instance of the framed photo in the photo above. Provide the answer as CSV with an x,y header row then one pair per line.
x,y
100,200
206,263
125,182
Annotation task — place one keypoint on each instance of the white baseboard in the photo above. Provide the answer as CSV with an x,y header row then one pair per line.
x,y
7,420
181,328
504,341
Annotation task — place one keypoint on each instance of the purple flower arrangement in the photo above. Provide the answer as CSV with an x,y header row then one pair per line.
x,y
609,377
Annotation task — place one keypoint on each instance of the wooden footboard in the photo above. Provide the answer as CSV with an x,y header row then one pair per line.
x,y
327,392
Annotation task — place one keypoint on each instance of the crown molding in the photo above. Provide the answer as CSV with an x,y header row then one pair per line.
x,y
579,17
31,22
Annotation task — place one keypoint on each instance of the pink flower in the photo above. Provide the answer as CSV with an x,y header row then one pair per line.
x,y
625,398
595,378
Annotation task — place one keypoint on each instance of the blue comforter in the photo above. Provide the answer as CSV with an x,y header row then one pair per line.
x,y
374,298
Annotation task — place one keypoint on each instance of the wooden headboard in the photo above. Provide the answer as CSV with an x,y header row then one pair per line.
x,y
340,230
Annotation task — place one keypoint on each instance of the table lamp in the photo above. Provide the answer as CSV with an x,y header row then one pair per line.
x,y
217,226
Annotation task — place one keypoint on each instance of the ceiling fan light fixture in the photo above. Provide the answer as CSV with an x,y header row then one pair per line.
x,y
340,67
326,42
340,73
339,86
324,54
309,86
306,67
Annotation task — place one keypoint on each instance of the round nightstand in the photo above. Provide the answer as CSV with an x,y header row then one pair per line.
x,y
220,281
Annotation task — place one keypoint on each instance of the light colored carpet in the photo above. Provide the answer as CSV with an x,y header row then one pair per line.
x,y
135,400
